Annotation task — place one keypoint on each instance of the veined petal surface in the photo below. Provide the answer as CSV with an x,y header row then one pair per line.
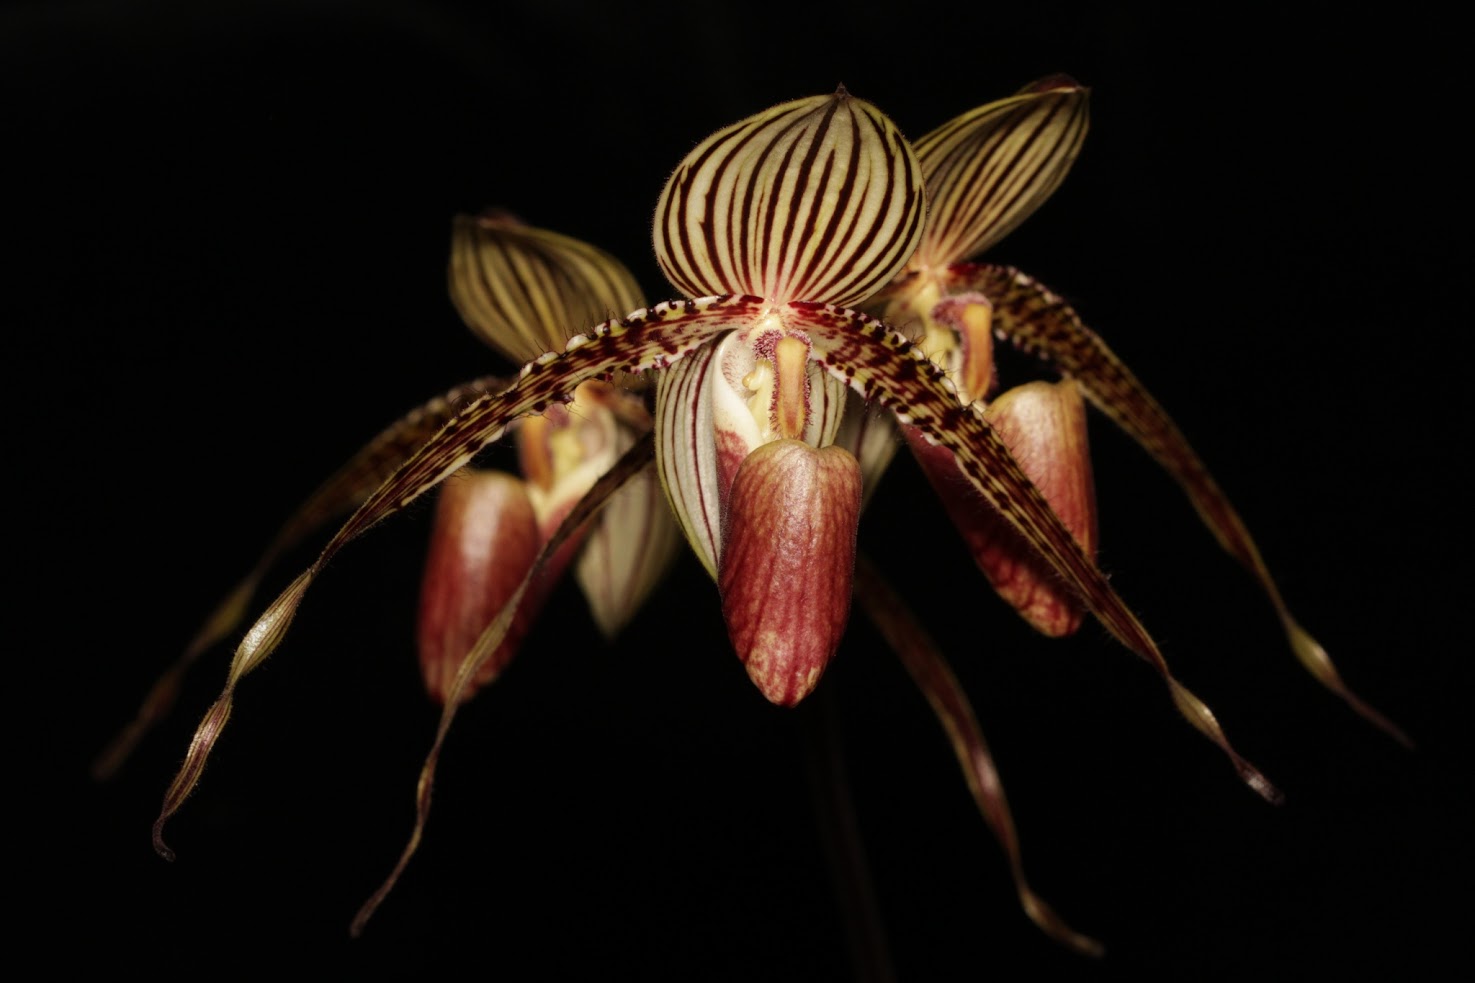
x,y
686,453
989,169
628,548
722,402
1044,426
526,291
484,540
789,562
819,199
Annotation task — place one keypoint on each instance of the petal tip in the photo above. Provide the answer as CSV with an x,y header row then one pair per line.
x,y
1057,82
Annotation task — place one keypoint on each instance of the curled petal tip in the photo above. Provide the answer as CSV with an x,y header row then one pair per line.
x,y
184,782
160,847
1262,786
788,563
1197,713
1054,926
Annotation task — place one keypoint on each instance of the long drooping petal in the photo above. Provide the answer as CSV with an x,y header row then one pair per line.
x,y
883,366
930,671
634,461
645,339
348,487
814,200
989,169
1042,324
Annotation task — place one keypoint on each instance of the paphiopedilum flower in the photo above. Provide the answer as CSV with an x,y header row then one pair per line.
x,y
526,291
776,228
986,171
819,201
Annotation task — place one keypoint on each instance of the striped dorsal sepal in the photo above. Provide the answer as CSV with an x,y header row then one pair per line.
x,y
819,199
989,169
526,291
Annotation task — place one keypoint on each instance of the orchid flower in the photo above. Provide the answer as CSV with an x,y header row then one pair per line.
x,y
824,295
987,171
521,289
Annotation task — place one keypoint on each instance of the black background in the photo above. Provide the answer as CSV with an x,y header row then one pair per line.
x,y
227,243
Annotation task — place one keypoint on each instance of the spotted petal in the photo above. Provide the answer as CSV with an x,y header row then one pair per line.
x,y
344,490
643,340
1041,323
884,367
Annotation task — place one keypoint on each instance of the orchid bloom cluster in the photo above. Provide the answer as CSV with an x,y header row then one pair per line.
x,y
836,313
